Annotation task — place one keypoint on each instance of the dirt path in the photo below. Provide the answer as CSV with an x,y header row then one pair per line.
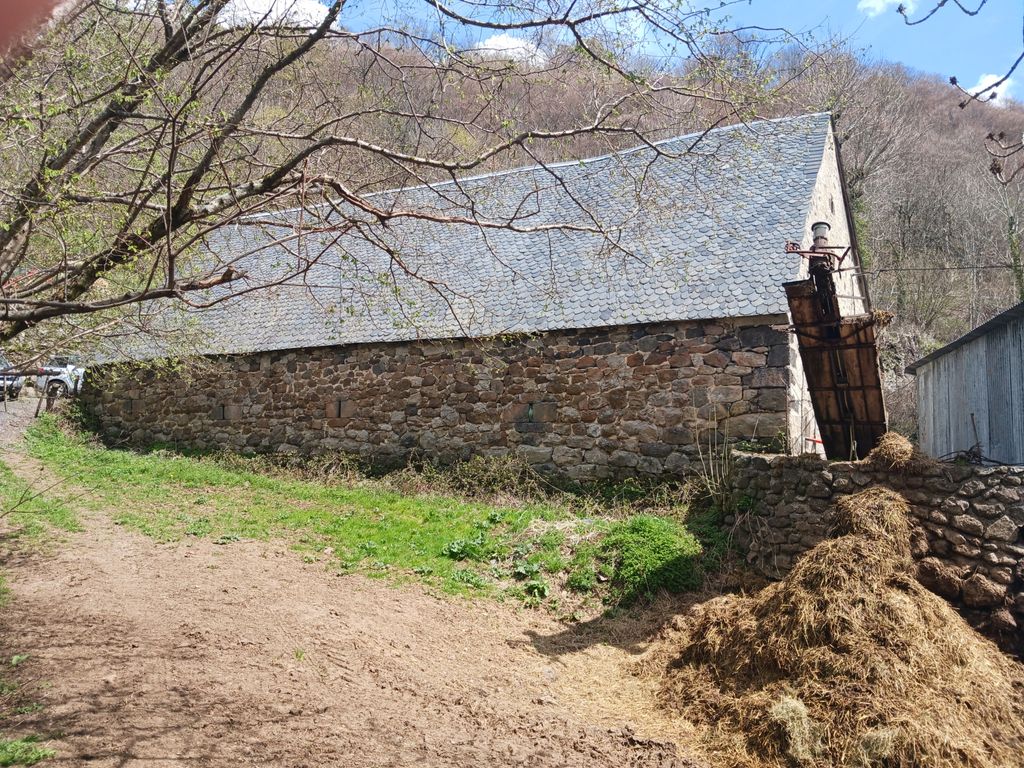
x,y
195,654
15,416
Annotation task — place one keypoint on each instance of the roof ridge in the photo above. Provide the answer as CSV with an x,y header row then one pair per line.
x,y
564,163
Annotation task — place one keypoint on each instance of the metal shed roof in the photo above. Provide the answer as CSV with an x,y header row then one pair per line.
x,y
998,321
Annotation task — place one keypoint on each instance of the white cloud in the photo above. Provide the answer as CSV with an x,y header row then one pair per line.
x,y
505,47
876,7
240,12
1003,92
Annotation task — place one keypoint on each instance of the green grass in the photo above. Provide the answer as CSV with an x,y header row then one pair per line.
x,y
650,553
15,702
33,515
37,512
583,568
363,526
24,751
527,550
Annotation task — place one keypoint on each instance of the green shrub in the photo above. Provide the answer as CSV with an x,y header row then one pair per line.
x,y
650,553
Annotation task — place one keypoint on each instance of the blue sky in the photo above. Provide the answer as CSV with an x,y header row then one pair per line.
x,y
949,43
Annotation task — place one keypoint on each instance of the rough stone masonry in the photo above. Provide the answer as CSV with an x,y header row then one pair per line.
x,y
969,522
611,402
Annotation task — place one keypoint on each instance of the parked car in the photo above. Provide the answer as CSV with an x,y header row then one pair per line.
x,y
60,377
10,382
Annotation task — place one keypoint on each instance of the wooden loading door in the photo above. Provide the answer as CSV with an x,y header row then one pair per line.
x,y
840,358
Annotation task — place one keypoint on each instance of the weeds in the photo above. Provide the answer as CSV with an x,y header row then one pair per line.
x,y
537,588
330,469
25,751
20,751
480,476
651,553
716,470
469,578
583,568
479,549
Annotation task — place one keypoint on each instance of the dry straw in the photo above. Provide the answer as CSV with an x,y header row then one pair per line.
x,y
847,661
895,453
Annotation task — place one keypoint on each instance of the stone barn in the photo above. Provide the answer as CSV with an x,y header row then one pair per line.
x,y
591,352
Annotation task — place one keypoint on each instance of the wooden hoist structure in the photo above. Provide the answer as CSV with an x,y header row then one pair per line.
x,y
839,354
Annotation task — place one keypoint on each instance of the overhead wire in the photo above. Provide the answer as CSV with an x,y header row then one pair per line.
x,y
880,270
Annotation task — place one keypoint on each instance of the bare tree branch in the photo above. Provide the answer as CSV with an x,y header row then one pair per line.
x,y
138,133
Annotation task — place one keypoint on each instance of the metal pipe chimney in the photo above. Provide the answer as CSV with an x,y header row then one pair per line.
x,y
819,230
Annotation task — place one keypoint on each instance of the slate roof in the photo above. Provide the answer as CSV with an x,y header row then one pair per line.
x,y
687,235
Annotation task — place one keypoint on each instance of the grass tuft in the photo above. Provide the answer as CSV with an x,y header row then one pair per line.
x,y
32,517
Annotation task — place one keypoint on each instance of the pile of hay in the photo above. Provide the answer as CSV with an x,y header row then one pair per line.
x,y
846,662
895,452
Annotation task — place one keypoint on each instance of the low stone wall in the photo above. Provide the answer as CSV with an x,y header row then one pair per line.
x,y
588,404
967,536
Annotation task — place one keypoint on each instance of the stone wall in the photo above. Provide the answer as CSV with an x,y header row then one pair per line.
x,y
586,404
967,537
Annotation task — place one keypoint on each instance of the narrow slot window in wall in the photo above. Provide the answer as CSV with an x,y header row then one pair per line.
x,y
340,409
218,413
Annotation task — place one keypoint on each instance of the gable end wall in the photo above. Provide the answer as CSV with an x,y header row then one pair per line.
x,y
827,204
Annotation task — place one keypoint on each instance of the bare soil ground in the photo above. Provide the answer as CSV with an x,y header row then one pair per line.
x,y
194,654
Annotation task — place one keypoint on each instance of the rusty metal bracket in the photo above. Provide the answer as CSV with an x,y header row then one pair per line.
x,y
820,250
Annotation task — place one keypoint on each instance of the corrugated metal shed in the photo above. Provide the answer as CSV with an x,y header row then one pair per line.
x,y
970,393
